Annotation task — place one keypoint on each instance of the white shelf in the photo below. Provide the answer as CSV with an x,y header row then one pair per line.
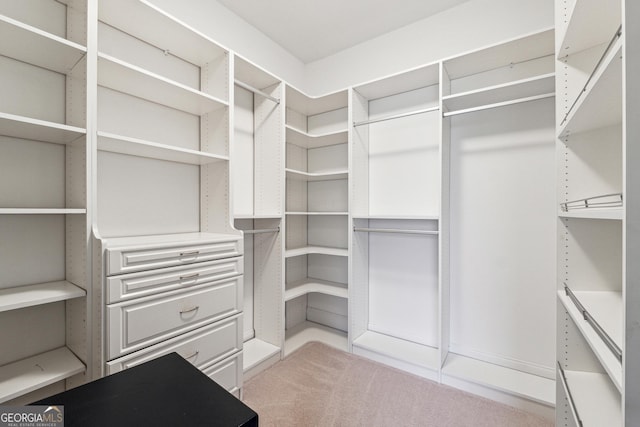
x,y
256,351
42,293
309,285
607,309
318,213
306,332
251,216
34,46
399,217
41,211
310,105
310,141
315,176
405,81
609,362
38,130
39,371
130,79
529,386
252,75
591,22
138,147
594,213
597,402
399,349
167,239
524,88
600,105
160,29
322,250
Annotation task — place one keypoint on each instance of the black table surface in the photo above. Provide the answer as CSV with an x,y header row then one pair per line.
x,y
167,391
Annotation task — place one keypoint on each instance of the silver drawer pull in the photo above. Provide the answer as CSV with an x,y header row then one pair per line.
x,y
190,276
188,253
194,355
190,310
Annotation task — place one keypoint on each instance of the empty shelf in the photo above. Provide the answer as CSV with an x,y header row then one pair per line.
x,y
256,351
529,386
591,22
597,401
323,250
137,147
42,293
133,80
309,285
316,176
606,308
41,211
602,213
38,130
399,349
306,332
39,371
318,213
34,46
307,140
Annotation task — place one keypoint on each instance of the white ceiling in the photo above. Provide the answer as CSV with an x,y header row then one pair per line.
x,y
314,29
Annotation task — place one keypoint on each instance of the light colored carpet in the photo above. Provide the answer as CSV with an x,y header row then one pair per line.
x,y
320,386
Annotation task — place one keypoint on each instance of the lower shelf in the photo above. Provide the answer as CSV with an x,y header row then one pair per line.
x,y
35,372
307,331
596,399
405,351
532,387
257,351
309,285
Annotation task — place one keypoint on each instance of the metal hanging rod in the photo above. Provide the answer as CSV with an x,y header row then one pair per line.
x,y
616,36
572,404
256,91
396,230
613,200
262,230
397,116
613,347
499,104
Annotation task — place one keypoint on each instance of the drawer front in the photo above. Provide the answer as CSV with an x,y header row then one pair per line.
x,y
202,347
136,285
227,373
142,322
131,259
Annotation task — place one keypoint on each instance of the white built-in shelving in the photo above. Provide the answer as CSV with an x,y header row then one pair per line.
x,y
258,189
316,218
43,212
595,360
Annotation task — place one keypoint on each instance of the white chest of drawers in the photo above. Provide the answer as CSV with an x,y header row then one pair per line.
x,y
179,293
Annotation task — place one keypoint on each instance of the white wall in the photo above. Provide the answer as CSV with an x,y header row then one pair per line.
x,y
470,26
234,33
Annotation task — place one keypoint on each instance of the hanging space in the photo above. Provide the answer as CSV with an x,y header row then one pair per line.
x,y
257,180
396,206
498,109
316,218
44,279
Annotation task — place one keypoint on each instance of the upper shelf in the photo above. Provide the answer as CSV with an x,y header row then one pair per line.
x,y
314,176
42,293
137,147
400,83
310,106
253,75
123,77
307,286
605,213
590,23
38,130
525,88
600,104
147,22
307,140
34,46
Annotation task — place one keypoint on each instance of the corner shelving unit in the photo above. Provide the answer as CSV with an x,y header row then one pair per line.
x,y
258,198
43,213
593,240
497,121
396,200
316,217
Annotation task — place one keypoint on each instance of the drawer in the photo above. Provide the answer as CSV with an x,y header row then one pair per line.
x,y
142,322
133,258
202,347
136,285
227,373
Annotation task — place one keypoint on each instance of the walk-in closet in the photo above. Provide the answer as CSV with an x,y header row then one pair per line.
x,y
448,190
